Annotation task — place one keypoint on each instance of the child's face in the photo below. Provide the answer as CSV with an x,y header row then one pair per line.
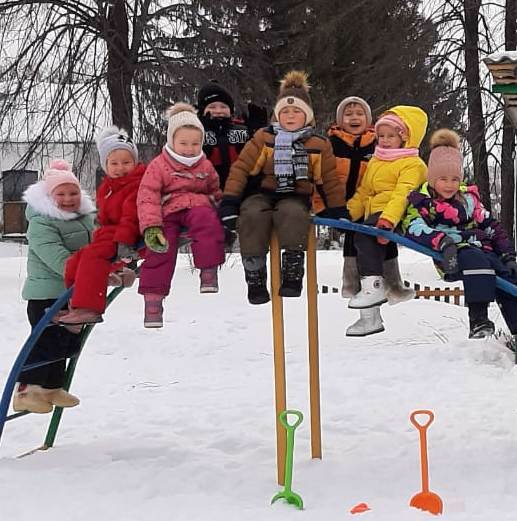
x,y
291,118
217,109
354,119
119,163
67,197
388,137
187,142
447,185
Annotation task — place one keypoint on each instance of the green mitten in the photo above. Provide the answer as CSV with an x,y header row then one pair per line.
x,y
155,240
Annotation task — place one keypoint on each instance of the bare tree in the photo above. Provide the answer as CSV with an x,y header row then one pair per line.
x,y
69,66
508,196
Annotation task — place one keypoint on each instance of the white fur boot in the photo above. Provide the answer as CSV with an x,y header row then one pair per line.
x,y
372,293
351,280
395,289
369,322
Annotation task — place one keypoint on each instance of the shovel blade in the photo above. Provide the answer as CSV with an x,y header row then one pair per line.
x,y
291,497
428,501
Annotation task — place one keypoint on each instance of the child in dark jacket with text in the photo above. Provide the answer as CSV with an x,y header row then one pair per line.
x,y
225,137
89,269
180,188
447,216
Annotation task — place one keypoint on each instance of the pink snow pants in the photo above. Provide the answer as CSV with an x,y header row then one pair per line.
x,y
206,232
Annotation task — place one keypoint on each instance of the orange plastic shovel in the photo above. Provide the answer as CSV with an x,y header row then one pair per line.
x,y
425,500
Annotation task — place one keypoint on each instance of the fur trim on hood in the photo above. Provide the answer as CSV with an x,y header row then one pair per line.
x,y
41,202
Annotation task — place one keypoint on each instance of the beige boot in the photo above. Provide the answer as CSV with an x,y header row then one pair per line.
x,y
32,398
395,289
61,398
351,280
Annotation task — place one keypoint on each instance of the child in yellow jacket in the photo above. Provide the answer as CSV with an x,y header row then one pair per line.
x,y
381,200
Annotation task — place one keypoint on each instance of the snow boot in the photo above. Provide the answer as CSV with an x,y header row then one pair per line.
x,y
153,310
208,280
61,398
369,323
351,279
372,293
292,273
480,326
482,329
32,398
80,316
255,273
395,289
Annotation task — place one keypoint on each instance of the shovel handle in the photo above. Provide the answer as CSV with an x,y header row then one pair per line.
x,y
284,420
417,424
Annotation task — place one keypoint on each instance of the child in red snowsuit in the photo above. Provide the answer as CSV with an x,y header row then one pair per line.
x,y
115,239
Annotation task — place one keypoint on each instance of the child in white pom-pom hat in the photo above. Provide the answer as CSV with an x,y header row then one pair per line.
x,y
60,217
180,189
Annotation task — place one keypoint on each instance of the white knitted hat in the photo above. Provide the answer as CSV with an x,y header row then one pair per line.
x,y
182,115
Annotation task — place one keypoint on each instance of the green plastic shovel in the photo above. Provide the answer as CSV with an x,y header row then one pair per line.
x,y
291,497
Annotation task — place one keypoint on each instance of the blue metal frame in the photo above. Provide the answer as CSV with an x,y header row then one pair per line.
x,y
344,224
24,353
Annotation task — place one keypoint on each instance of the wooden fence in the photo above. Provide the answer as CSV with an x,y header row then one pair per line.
x,y
448,295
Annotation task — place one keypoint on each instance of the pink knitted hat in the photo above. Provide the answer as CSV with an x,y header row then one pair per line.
x,y
393,121
445,157
59,172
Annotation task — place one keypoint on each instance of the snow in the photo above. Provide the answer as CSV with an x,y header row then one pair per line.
x,y
178,424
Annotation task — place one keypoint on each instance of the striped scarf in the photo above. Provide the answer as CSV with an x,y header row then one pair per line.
x,y
291,161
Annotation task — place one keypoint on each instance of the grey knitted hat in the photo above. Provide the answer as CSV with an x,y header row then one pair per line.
x,y
113,138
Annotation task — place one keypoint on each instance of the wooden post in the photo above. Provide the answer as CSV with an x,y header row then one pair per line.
x,y
278,357
314,364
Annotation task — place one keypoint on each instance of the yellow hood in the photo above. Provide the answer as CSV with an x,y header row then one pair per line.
x,y
416,121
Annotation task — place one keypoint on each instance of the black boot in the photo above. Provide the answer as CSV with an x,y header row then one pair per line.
x,y
480,325
255,273
292,273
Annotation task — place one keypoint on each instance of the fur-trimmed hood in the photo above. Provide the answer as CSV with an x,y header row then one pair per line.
x,y
39,202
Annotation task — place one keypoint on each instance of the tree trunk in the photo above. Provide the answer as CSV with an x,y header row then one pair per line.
x,y
120,68
476,132
508,196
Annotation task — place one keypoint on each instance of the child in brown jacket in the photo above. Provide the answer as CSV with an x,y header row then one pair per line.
x,y
281,165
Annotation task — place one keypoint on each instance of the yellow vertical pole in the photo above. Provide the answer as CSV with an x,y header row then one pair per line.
x,y
314,364
278,357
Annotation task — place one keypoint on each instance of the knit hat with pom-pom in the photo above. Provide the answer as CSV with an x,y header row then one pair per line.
x,y
59,172
445,157
182,115
294,92
114,138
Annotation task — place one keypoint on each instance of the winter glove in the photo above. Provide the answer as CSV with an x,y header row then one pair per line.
x,y
155,240
450,255
383,224
257,118
126,253
229,212
509,262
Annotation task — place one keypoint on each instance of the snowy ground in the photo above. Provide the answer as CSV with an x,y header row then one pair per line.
x,y
178,424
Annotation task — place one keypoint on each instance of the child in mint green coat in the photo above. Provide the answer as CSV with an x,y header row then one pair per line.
x,y
60,217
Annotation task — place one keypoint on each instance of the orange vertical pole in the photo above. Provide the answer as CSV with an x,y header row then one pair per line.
x,y
278,357
314,364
